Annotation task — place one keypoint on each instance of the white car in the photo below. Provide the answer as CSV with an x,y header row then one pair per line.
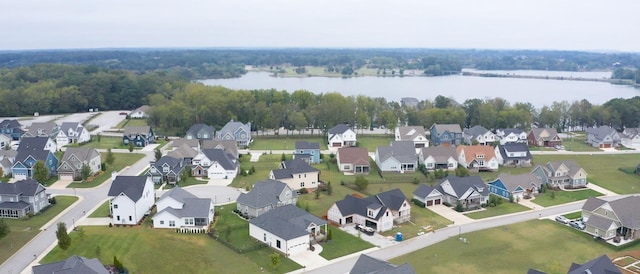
x,y
562,219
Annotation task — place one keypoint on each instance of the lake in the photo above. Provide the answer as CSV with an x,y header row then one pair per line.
x,y
538,92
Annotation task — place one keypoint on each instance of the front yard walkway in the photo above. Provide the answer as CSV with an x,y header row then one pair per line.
x,y
528,203
602,190
456,217
310,259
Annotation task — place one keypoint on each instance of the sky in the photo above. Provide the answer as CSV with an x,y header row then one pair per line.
x,y
464,24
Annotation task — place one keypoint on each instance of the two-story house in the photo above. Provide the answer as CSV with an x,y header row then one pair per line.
x,y
438,158
296,174
177,208
22,198
30,151
214,164
236,131
544,137
603,137
200,132
378,212
47,129
264,196
479,135
341,135
477,158
561,174
141,112
513,154
400,157
72,133
308,151
7,158
415,134
5,141
610,219
141,136
166,170
511,135
74,159
12,128
446,135
131,199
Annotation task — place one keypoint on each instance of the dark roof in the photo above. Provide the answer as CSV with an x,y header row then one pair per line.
x,y
511,182
136,130
183,151
593,203
369,265
132,186
461,184
515,147
14,205
72,265
33,143
599,133
29,187
392,199
307,145
291,167
193,131
627,210
440,154
218,155
229,146
599,222
287,222
263,194
178,194
354,155
423,190
600,265
475,131
39,155
82,153
75,126
409,101
339,129
191,207
10,124
441,128
175,164
42,129
403,151
535,271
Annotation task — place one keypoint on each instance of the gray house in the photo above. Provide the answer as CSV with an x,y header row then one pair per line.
x,y
470,191
43,130
237,131
479,135
74,264
264,196
229,146
183,152
167,169
603,137
201,132
74,158
400,157
513,154
22,198
610,219
561,174
370,265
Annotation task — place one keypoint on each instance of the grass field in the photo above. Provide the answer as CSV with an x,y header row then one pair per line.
x,y
132,122
101,212
263,167
284,142
121,161
509,249
578,144
603,169
105,142
422,220
371,142
22,231
502,209
144,250
342,244
563,197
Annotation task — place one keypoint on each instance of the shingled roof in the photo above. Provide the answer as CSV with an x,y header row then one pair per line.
x,y
291,167
287,222
369,265
132,186
264,193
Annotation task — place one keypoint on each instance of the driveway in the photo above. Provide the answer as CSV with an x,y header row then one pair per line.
x,y
310,259
375,239
456,217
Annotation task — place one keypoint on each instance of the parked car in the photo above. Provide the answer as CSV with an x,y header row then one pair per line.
x,y
365,229
562,219
577,225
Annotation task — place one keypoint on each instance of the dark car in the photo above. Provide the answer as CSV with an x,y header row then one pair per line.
x,y
123,113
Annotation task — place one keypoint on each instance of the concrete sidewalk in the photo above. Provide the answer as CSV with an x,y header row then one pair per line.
x,y
456,217
310,259
602,190
93,222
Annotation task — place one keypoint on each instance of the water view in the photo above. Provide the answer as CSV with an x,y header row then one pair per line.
x,y
539,92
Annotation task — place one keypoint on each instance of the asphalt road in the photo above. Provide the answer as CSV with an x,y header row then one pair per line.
x,y
107,120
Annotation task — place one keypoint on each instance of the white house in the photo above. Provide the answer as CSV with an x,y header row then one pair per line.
x,y
477,158
214,164
438,158
141,112
479,135
415,134
296,174
178,208
131,199
72,133
511,135
378,212
341,136
400,157
288,229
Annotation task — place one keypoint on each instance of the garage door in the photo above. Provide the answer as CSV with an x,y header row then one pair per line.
x,y
336,144
66,177
429,203
606,145
438,201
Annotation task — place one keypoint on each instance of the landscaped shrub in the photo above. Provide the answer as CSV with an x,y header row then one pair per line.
x,y
418,202
446,204
303,191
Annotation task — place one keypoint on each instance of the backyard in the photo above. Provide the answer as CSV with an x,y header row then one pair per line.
x,y
509,249
22,231
122,160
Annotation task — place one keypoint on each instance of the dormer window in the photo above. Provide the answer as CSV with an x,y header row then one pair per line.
x,y
480,156
370,213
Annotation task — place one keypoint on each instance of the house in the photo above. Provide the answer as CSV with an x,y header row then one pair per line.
x,y
603,137
353,160
428,195
477,158
410,102
264,196
296,174
415,134
7,159
74,264
307,151
610,219
446,135
229,146
341,135
470,191
166,170
42,130
131,199
287,229
370,265
178,208
511,135
544,137
5,141
400,157
74,159
600,265
630,137
192,143
30,151
184,152
513,154
201,132
561,174
72,133
479,135
236,131
438,158
141,136
12,128
140,113
519,186
378,212
214,164
22,198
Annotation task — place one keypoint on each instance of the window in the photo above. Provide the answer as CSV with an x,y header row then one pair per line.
x,y
161,222
302,184
387,213
370,213
130,218
278,243
172,223
264,236
301,151
118,218
299,176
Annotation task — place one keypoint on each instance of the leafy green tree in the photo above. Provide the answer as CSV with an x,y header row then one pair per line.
x,y
317,194
329,234
64,241
459,207
361,183
4,229
98,251
40,172
275,260
283,157
552,195
110,157
85,172
157,153
131,146
186,173
329,188
462,171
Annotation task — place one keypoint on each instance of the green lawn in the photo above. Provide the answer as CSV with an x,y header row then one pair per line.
x,y
574,215
284,142
22,231
121,161
105,142
102,211
263,167
371,142
539,244
132,122
144,250
563,197
192,181
505,208
577,144
342,244
422,220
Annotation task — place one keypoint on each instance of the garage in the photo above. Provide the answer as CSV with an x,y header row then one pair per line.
x,y
429,203
438,201
605,145
336,144
66,177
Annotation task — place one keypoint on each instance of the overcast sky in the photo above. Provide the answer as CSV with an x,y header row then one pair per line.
x,y
489,24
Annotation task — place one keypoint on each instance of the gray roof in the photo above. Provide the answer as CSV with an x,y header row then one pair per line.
x,y
197,128
408,133
33,143
475,131
295,166
403,151
72,265
81,153
287,222
136,130
75,126
175,165
263,194
229,146
39,155
369,265
392,199
339,129
537,131
535,271
453,128
7,123
190,142
191,207
8,153
572,165
508,131
628,211
409,101
461,184
42,129
14,205
178,194
28,187
599,222
511,182
515,147
592,203
182,152
218,155
232,127
423,190
307,145
440,154
600,265
132,186
599,133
